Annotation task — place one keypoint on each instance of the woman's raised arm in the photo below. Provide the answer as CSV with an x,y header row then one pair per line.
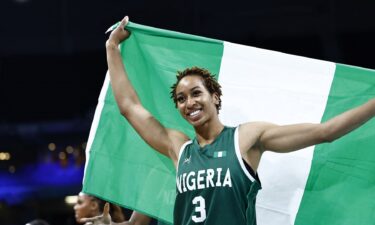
x,y
164,140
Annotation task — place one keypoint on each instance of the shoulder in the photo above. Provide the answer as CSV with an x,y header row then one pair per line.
x,y
249,134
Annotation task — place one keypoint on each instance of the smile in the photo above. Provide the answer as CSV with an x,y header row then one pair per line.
x,y
194,113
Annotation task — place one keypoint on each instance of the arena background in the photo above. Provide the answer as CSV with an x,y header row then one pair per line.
x,y
52,65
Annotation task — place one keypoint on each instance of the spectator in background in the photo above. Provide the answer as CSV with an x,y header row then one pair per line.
x,y
90,206
91,210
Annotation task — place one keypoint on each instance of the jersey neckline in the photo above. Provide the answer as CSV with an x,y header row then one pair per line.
x,y
204,148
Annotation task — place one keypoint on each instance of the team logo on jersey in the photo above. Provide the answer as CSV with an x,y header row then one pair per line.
x,y
220,154
187,160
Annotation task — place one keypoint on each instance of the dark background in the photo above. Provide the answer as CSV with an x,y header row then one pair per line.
x,y
52,66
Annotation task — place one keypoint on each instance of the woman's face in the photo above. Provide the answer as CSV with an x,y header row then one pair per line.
x,y
85,207
194,101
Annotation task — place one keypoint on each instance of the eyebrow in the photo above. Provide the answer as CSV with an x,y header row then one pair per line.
x,y
196,87
192,89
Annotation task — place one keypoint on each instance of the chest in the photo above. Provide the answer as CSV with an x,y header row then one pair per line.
x,y
212,166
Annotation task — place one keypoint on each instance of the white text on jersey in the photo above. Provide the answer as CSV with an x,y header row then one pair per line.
x,y
203,179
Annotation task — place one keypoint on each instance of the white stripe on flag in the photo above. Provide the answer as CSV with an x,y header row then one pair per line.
x,y
282,89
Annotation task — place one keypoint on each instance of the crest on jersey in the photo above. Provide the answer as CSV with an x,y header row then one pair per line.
x,y
220,154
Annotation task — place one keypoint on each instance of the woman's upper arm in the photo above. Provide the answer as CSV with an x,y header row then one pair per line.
x,y
286,138
164,140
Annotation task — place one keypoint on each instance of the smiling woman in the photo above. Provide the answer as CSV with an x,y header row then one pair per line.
x,y
197,95
208,80
194,101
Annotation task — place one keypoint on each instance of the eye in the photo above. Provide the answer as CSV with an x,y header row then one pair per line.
x,y
196,93
180,99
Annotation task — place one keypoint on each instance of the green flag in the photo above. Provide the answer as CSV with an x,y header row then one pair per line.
x,y
325,184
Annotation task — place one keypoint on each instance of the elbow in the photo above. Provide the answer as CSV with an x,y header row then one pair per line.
x,y
326,134
326,139
124,108
123,111
129,109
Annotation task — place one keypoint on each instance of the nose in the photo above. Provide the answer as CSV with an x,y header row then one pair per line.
x,y
190,102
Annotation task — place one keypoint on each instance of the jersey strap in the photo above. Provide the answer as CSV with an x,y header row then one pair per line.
x,y
239,156
181,151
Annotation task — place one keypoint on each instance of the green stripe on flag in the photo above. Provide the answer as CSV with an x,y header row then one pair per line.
x,y
341,185
122,167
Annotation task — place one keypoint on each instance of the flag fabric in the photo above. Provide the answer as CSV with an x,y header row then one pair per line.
x,y
325,184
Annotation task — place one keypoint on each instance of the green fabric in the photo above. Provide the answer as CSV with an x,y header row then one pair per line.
x,y
163,223
341,185
122,167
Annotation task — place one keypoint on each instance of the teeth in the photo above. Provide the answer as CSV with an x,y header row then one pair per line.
x,y
194,113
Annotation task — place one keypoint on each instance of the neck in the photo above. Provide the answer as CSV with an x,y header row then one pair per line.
x,y
207,133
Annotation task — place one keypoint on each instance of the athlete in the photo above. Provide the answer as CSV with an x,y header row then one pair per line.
x,y
216,171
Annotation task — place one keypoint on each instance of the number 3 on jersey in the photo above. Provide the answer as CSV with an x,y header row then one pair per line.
x,y
200,209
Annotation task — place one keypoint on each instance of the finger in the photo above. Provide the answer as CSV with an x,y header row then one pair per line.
x,y
121,24
92,219
106,209
124,21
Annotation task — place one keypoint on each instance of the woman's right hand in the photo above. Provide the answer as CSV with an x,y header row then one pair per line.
x,y
119,34
104,219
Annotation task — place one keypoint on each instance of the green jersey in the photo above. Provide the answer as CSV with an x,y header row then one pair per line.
x,y
214,185
163,223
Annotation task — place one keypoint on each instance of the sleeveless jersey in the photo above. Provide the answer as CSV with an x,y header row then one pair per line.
x,y
213,185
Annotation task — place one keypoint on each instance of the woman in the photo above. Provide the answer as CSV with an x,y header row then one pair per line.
x,y
216,172
92,210
90,206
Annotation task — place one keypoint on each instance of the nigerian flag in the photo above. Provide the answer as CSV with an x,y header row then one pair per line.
x,y
325,184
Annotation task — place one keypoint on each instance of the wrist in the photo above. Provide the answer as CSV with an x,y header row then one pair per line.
x,y
111,44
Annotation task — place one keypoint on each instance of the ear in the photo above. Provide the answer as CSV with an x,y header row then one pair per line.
x,y
216,98
94,206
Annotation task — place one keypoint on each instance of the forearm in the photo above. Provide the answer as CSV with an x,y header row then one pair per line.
x,y
293,137
349,120
123,90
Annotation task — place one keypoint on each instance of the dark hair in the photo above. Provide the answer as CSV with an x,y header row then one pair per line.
x,y
114,210
209,82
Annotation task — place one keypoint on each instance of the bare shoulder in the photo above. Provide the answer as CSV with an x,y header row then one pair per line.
x,y
249,134
249,139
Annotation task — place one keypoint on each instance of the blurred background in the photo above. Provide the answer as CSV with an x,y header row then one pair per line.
x,y
53,63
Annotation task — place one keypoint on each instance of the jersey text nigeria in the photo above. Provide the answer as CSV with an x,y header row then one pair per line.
x,y
203,179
